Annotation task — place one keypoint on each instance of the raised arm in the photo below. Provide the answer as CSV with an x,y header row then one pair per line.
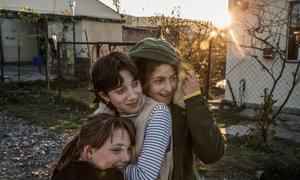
x,y
156,141
207,140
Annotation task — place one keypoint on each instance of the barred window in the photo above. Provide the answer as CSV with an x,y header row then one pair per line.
x,y
294,31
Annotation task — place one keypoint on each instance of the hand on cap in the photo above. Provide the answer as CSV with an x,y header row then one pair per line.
x,y
190,83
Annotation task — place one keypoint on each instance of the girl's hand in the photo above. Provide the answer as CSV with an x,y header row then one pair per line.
x,y
190,83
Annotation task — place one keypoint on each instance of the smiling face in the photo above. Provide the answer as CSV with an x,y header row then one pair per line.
x,y
115,152
162,83
127,98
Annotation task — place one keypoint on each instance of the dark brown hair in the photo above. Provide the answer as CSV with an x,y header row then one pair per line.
x,y
105,73
146,68
96,130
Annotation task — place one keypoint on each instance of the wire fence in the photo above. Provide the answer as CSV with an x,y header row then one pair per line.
x,y
62,66
247,81
68,67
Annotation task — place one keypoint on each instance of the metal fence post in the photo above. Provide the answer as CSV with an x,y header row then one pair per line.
x,y
1,55
208,69
58,69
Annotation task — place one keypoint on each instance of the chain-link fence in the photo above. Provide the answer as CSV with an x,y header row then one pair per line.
x,y
68,67
247,79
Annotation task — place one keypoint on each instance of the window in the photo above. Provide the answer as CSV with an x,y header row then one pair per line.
x,y
294,32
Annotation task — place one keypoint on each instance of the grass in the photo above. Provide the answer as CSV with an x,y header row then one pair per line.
x,y
37,105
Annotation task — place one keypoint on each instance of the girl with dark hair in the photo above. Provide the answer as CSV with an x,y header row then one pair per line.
x,y
98,151
115,83
194,132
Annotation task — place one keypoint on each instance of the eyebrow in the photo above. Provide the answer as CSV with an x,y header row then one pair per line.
x,y
118,144
158,77
163,76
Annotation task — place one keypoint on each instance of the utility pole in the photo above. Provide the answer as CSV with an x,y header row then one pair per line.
x,y
208,69
213,35
72,4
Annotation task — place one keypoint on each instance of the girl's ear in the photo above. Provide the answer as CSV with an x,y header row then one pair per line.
x,y
104,96
88,152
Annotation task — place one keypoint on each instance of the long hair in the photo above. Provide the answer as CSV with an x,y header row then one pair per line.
x,y
96,130
105,73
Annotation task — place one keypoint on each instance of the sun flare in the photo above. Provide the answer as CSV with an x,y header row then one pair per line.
x,y
223,20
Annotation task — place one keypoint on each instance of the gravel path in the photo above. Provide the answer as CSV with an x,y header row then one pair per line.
x,y
27,151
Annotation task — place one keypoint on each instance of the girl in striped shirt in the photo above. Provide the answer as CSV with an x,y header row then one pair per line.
x,y
115,83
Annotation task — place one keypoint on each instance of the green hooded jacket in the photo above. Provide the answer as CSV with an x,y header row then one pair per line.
x,y
195,135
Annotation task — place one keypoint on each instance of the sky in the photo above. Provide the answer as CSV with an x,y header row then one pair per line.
x,y
211,10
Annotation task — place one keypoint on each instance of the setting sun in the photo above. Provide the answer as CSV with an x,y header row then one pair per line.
x,y
223,21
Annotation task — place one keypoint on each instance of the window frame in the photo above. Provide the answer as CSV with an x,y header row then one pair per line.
x,y
290,8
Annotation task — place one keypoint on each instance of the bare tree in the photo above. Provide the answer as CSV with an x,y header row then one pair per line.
x,y
266,24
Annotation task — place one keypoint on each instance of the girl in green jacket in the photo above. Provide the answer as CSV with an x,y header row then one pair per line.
x,y
194,133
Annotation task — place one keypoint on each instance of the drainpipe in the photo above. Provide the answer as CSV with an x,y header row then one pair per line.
x,y
1,56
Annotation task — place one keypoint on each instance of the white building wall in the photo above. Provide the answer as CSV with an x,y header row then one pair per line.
x,y
102,31
56,28
12,29
96,31
240,64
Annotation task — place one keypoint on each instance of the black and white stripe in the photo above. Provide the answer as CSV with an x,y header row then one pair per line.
x,y
156,142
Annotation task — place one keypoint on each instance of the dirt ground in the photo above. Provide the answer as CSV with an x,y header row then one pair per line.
x,y
27,151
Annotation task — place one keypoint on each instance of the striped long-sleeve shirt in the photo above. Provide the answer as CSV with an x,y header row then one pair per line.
x,y
156,141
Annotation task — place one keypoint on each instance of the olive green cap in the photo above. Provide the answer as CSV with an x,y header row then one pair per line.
x,y
156,50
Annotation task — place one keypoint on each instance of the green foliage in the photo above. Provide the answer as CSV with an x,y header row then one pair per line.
x,y
28,15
